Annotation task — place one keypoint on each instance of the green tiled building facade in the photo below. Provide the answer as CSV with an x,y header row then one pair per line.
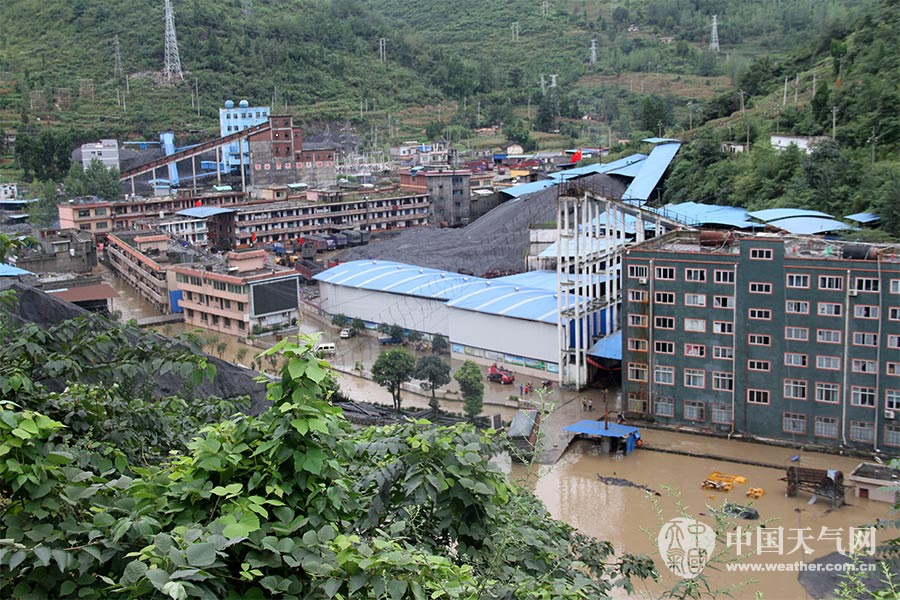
x,y
795,339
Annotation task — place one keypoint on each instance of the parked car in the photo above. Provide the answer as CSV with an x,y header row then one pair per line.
x,y
325,349
348,332
500,375
386,340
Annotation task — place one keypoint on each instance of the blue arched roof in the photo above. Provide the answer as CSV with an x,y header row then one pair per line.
x,y
397,278
774,214
809,225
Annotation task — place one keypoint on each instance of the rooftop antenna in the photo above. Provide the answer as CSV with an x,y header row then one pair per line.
x,y
714,36
382,49
593,52
172,69
117,53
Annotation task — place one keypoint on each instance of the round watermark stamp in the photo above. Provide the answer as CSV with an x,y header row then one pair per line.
x,y
686,545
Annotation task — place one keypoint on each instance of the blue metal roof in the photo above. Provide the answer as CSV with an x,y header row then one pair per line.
x,y
863,217
774,214
809,225
608,347
694,213
398,278
522,189
659,140
651,171
12,271
585,247
601,428
509,301
202,212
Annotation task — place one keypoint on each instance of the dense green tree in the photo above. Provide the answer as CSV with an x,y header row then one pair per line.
x,y
358,324
392,369
439,344
339,320
44,212
471,384
436,372
654,114
44,156
95,180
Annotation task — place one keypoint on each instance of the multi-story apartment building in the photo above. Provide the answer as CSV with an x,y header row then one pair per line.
x,y
448,191
240,296
191,230
237,118
796,339
284,221
278,156
104,151
89,213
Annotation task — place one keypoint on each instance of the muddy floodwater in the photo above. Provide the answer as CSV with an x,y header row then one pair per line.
x,y
573,493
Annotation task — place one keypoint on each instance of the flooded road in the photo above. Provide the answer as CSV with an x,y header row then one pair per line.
x,y
627,516
129,302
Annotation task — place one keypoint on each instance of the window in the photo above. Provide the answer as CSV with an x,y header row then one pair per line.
x,y
862,338
695,378
665,273
796,280
757,287
831,282
893,341
664,407
665,297
796,307
723,301
866,284
723,276
721,413
99,212
639,296
828,392
695,275
862,396
637,371
84,213
723,352
793,423
663,375
695,299
637,320
828,336
695,325
756,339
864,366
895,286
892,435
800,334
862,431
664,322
723,381
637,271
759,365
694,410
760,314
894,313
637,404
795,389
865,311
829,309
724,327
637,345
826,427
664,347
760,254
758,396
794,359
892,399
695,350
828,363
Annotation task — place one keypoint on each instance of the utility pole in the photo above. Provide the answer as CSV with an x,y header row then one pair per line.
x,y
553,80
691,115
593,52
796,87
382,49
834,110
545,8
197,95
741,93
814,84
172,68
784,97
873,139
543,85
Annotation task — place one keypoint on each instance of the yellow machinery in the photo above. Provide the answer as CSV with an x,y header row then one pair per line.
x,y
722,482
756,493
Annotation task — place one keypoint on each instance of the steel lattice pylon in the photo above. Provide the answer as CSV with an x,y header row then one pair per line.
x,y
172,69
714,35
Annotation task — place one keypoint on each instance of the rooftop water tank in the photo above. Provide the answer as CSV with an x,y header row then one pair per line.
x,y
229,104
244,104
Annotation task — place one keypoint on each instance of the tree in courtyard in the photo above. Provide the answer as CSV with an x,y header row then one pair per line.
x,y
44,212
339,320
221,347
392,369
436,372
241,354
439,344
358,324
471,384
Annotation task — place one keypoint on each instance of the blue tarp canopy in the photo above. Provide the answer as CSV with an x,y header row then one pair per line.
x,y
591,427
608,347
12,271
203,212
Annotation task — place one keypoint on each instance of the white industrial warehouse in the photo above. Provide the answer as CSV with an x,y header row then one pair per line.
x,y
510,320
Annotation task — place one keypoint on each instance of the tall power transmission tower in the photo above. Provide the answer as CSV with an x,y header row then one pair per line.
x,y
172,69
117,53
247,9
382,49
593,52
515,31
545,8
553,80
714,36
543,85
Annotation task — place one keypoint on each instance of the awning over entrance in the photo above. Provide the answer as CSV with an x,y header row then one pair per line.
x,y
590,427
608,347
